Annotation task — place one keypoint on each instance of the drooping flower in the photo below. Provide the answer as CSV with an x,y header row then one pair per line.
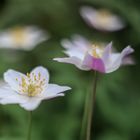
x,y
29,90
101,19
22,38
86,56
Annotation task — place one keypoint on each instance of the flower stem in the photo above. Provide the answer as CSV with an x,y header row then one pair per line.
x,y
91,108
85,114
29,126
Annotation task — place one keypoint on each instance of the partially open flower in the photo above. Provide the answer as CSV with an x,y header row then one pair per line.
x,y
87,56
101,19
23,38
29,90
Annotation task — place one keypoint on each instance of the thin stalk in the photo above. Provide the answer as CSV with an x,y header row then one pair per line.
x,y
29,126
84,119
91,108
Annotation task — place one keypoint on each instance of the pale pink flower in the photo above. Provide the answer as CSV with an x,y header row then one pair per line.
x,y
87,56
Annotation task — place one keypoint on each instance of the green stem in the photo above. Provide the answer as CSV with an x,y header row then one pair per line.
x,y
85,113
29,126
91,108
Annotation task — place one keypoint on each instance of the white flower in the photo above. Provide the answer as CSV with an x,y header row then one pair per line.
x,y
87,56
101,19
29,90
24,38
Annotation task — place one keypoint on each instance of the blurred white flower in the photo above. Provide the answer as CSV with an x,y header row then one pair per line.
x,y
101,19
22,37
29,90
87,56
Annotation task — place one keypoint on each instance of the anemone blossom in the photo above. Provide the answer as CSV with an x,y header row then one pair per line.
x,y
29,90
22,37
87,56
101,19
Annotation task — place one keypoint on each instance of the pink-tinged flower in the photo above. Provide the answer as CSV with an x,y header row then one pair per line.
x,y
87,56
101,19
29,90
22,37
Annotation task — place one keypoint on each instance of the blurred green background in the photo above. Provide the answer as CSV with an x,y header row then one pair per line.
x,y
117,111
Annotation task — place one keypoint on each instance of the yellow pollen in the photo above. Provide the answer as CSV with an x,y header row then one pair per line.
x,y
18,35
97,51
103,17
33,85
104,13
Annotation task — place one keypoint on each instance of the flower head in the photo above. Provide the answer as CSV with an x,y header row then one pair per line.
x,y
25,38
86,56
101,19
29,90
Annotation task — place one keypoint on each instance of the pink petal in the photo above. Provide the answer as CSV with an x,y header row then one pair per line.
x,y
94,63
107,52
118,59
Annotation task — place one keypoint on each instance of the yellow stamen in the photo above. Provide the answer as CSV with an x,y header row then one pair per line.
x,y
103,17
32,85
18,35
97,51
104,13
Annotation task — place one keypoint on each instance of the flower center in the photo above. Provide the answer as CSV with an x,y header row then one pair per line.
x,y
33,85
96,51
18,35
103,17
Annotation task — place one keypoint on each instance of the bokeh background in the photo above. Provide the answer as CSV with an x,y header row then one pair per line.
x,y
117,111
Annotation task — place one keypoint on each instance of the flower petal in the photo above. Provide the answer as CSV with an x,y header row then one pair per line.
x,y
33,37
14,78
43,72
117,59
77,42
9,96
77,47
54,90
31,104
107,53
75,53
73,60
6,41
94,63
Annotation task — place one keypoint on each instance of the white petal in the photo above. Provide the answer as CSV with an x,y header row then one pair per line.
x,y
44,74
13,78
77,42
88,14
54,90
75,53
117,59
8,96
6,40
73,60
116,23
33,37
31,104
67,44
107,52
76,47
52,96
